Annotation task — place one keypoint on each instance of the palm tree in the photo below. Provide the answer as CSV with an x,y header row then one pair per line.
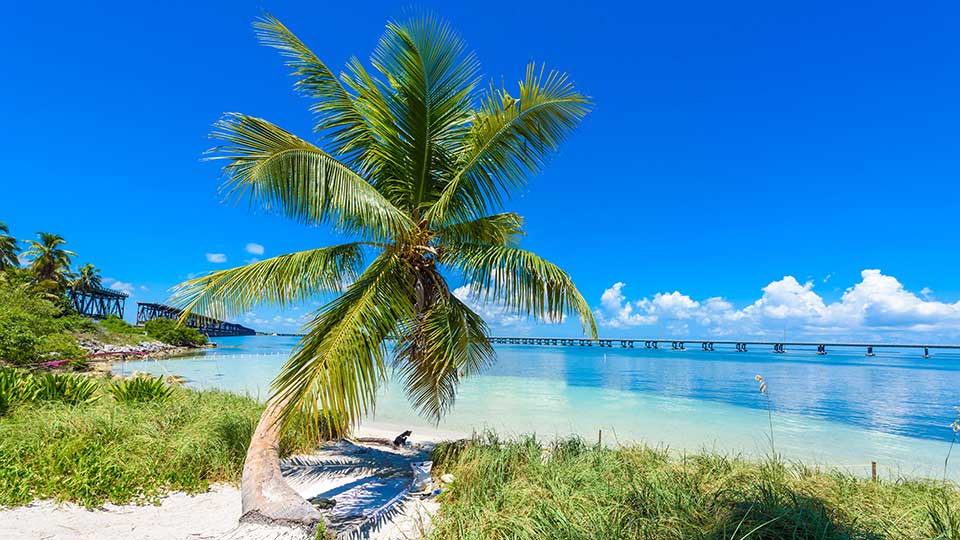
x,y
8,248
87,279
49,262
413,163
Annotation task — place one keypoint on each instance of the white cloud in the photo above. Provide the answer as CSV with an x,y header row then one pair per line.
x,y
118,285
216,257
254,249
878,306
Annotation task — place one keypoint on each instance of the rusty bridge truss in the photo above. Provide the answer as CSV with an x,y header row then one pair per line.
x,y
205,325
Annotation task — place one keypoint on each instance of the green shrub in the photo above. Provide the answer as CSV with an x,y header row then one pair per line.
x,y
18,341
75,322
57,346
117,325
32,328
16,386
168,331
141,389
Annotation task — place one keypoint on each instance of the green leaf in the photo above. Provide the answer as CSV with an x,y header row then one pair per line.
x,y
280,281
521,281
338,366
288,175
510,139
445,344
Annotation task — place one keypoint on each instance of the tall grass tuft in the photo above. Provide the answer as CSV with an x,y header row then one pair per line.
x,y
109,452
506,489
141,389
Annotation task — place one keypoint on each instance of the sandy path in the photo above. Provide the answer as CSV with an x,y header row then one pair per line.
x,y
184,517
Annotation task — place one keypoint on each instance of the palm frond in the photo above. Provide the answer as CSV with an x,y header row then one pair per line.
x,y
432,79
522,281
337,368
446,343
286,174
497,230
510,139
338,119
279,281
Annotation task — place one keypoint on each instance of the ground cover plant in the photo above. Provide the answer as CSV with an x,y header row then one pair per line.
x,y
96,450
573,491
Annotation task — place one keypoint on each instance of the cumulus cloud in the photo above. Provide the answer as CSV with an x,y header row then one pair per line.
x,y
877,306
254,249
118,285
216,257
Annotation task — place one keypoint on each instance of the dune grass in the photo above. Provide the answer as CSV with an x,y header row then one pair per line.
x,y
108,451
573,491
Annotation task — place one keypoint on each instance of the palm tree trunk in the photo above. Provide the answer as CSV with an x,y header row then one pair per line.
x,y
265,495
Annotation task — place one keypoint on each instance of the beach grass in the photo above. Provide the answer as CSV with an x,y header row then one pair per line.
x,y
518,490
108,451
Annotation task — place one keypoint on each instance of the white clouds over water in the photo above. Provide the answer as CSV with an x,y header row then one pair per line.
x,y
877,306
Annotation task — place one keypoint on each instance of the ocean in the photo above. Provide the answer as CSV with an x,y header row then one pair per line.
x,y
842,409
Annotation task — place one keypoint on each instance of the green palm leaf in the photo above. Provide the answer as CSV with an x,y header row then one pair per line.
x,y
445,344
283,173
510,139
339,118
521,281
339,365
432,78
280,281
496,230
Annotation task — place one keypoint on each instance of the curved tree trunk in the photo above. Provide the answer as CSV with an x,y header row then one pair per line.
x,y
265,495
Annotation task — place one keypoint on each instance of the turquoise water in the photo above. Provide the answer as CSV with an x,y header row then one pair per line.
x,y
842,409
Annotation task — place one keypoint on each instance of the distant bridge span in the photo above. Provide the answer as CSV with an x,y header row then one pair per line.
x,y
708,345
203,324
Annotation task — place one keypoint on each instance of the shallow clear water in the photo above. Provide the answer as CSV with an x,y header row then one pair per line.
x,y
842,408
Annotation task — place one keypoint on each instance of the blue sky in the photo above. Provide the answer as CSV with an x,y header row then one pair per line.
x,y
731,146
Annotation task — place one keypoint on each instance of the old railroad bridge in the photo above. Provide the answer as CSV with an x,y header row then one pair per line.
x,y
205,325
709,345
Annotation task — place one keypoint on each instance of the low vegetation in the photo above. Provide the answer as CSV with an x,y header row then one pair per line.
x,y
170,332
575,491
110,449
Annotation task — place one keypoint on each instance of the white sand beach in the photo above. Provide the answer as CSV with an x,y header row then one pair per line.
x,y
360,490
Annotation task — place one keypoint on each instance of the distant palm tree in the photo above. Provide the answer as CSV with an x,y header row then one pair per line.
x,y
49,262
87,279
413,161
8,248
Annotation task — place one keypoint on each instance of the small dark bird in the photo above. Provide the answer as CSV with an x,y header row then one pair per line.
x,y
402,438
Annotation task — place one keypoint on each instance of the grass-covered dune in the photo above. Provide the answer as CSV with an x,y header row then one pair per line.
x,y
573,491
119,442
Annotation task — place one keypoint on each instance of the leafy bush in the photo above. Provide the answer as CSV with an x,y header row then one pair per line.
x,y
168,331
53,346
32,329
119,326
75,322
141,389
